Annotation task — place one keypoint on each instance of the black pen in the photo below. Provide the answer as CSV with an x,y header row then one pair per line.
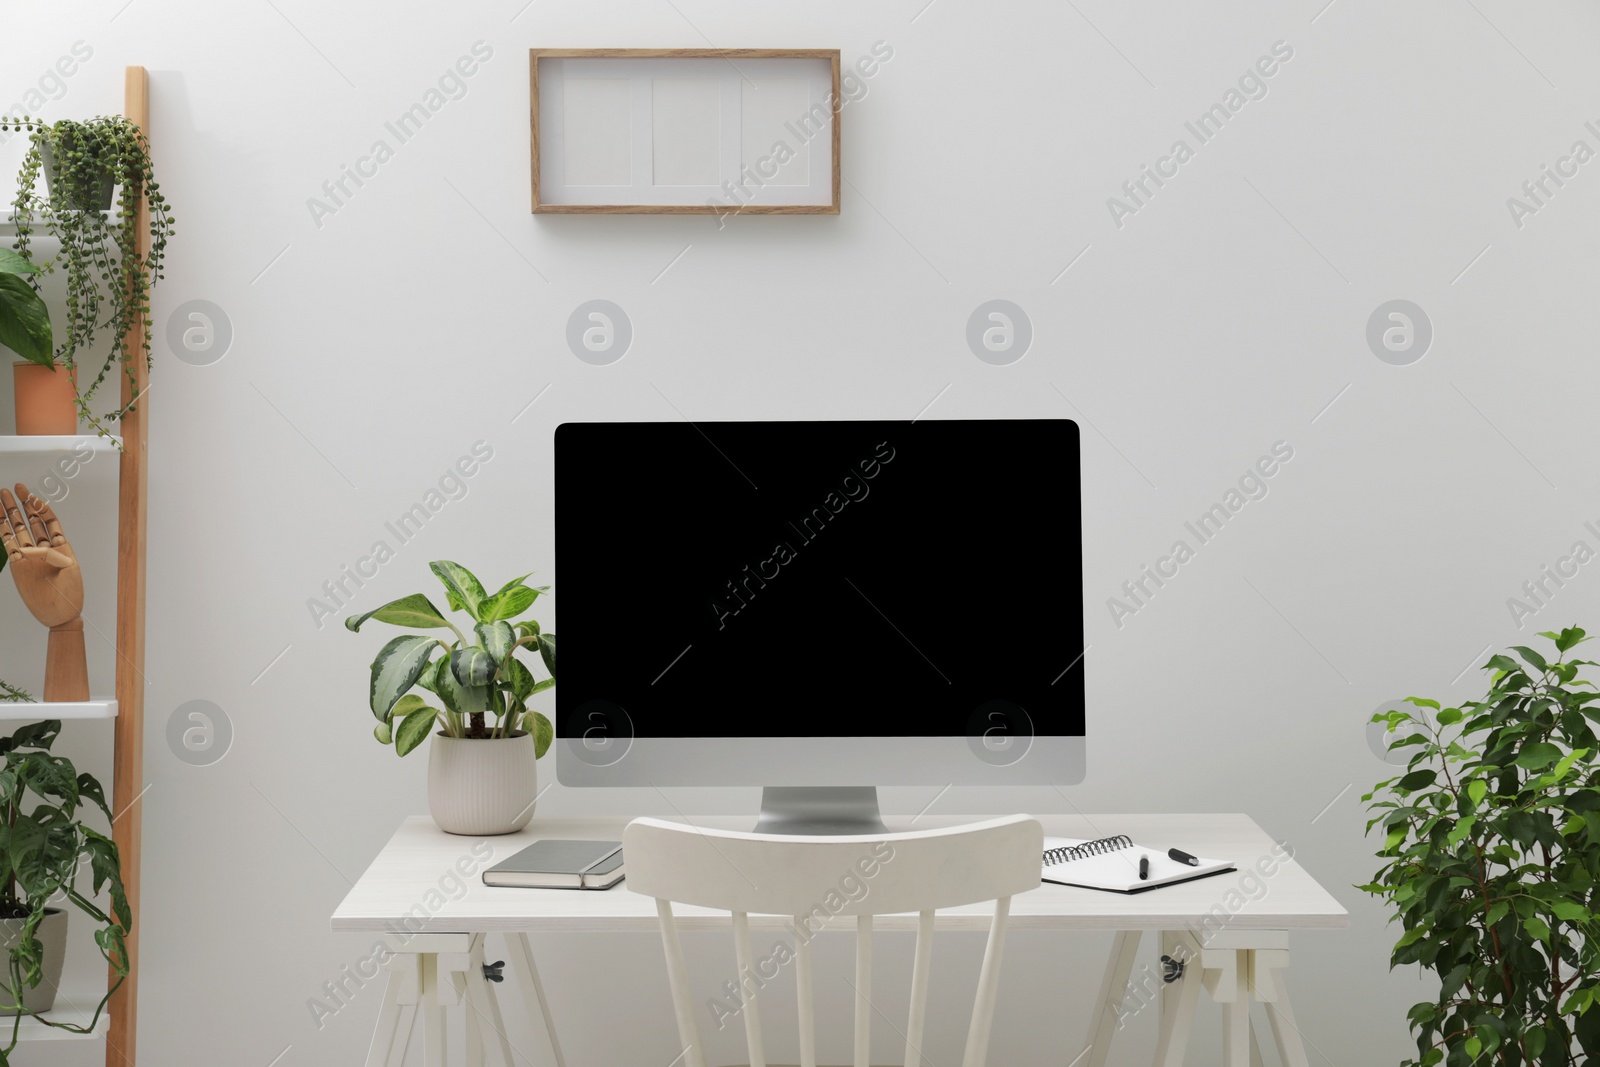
x,y
1144,868
1183,857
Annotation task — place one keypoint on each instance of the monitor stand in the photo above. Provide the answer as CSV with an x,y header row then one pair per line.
x,y
820,810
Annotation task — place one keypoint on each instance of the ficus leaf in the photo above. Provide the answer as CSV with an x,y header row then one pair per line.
x,y
1537,755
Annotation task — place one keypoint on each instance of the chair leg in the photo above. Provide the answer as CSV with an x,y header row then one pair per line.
x,y
396,1017
546,1049
1113,991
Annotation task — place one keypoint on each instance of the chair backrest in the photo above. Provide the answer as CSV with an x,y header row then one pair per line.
x,y
814,879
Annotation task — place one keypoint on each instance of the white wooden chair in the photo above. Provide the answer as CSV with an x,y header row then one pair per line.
x,y
812,879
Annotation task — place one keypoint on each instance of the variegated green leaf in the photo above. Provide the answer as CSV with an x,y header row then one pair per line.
x,y
415,611
25,321
12,262
547,650
543,733
463,700
509,603
384,732
464,588
414,730
396,669
502,605
472,666
516,678
407,704
497,639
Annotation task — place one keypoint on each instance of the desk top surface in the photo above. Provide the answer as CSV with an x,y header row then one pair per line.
x,y
432,882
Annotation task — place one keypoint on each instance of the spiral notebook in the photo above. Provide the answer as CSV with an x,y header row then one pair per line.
x,y
1112,864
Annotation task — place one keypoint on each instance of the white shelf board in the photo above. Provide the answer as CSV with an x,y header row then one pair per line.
x,y
33,1030
41,232
38,444
19,711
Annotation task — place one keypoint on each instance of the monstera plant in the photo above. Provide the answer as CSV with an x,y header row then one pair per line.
x,y
480,681
45,850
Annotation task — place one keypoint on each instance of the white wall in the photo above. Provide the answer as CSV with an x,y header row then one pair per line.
x,y
1225,315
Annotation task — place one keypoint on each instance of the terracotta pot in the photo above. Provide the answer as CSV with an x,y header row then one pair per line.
x,y
482,787
52,934
46,400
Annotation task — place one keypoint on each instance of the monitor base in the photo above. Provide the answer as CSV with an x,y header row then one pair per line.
x,y
820,810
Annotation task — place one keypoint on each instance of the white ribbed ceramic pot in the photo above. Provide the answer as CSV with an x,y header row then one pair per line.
x,y
52,935
482,787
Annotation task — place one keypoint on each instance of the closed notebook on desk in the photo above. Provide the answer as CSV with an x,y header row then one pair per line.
x,y
558,864
1112,864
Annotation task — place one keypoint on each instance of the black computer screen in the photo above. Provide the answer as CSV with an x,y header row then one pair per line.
x,y
832,579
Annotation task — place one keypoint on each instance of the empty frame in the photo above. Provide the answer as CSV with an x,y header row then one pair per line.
x,y
685,131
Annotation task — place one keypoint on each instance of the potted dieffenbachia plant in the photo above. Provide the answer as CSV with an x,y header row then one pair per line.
x,y
44,845
1492,847
482,778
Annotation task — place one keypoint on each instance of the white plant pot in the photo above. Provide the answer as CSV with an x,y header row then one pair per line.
x,y
52,935
482,787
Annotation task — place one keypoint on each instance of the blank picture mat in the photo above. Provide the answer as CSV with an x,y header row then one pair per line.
x,y
673,131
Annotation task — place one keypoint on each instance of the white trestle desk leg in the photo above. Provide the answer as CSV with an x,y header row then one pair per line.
x,y
1227,978
1113,991
1178,999
454,970
485,1007
392,1035
432,1013
546,1049
1266,982
474,1013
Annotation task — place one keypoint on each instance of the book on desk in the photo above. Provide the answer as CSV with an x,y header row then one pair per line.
x,y
559,864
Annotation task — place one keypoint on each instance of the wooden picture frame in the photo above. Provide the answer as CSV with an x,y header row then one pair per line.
x,y
706,159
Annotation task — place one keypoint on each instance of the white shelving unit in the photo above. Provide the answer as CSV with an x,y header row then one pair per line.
x,y
17,711
125,709
13,445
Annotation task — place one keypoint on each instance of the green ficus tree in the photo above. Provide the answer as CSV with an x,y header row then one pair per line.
x,y
481,681
1492,843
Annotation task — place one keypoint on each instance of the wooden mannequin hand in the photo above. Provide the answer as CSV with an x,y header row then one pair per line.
x,y
42,562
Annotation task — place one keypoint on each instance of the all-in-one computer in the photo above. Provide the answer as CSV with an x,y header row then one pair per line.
x,y
819,608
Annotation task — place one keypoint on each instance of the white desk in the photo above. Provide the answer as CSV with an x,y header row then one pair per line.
x,y
1231,931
